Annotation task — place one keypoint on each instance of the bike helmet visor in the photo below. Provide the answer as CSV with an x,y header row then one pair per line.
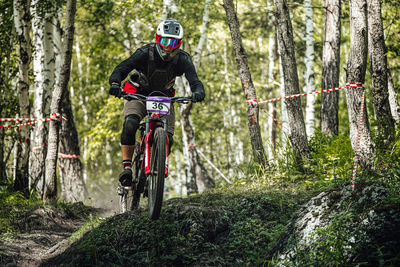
x,y
168,42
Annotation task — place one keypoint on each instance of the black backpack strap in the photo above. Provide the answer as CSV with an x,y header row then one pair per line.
x,y
151,64
169,68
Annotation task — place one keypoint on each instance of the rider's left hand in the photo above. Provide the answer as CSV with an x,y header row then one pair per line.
x,y
197,96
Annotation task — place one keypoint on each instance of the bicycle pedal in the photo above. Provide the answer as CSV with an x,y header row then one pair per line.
x,y
120,190
123,189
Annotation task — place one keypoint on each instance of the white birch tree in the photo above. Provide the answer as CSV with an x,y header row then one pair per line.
x,y
22,24
330,68
247,84
197,177
61,87
43,70
394,103
309,84
363,145
379,74
272,105
298,136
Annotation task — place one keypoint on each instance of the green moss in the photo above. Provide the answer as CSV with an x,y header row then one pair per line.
x,y
234,226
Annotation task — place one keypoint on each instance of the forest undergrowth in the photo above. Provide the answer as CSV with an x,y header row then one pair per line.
x,y
243,224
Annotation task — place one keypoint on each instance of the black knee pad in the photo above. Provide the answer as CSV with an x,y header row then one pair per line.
x,y
170,142
131,125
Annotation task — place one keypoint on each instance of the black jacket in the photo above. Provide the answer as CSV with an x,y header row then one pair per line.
x,y
139,61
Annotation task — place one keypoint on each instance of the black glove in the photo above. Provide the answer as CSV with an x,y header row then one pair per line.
x,y
198,96
115,90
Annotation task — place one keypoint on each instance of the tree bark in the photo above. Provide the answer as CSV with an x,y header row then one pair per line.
x,y
82,103
197,177
379,74
43,70
247,84
7,43
61,87
22,22
309,83
284,112
73,187
272,57
330,68
169,8
356,68
394,103
298,136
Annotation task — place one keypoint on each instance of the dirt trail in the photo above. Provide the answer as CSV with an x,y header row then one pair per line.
x,y
46,235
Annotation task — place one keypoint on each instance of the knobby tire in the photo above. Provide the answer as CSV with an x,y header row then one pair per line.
x,y
157,175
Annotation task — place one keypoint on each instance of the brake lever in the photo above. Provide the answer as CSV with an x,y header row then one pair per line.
x,y
129,98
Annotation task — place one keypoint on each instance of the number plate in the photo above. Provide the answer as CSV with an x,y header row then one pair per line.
x,y
158,104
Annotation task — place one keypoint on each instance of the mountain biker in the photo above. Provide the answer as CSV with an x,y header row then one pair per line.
x,y
156,64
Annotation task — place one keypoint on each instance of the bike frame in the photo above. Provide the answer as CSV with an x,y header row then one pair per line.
x,y
151,124
157,108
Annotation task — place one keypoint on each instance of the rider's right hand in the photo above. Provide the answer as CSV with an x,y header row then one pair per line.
x,y
115,90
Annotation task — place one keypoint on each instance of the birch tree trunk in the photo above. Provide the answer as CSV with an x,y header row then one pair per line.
x,y
247,84
298,136
22,24
6,49
379,74
272,56
330,68
309,84
52,153
356,68
169,8
82,103
43,69
197,177
394,103
284,112
72,181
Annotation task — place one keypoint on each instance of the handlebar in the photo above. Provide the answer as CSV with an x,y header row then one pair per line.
x,y
177,99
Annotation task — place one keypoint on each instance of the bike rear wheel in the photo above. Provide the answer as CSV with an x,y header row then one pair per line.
x,y
157,175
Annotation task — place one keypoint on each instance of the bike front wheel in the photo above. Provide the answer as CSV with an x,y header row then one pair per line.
x,y
157,175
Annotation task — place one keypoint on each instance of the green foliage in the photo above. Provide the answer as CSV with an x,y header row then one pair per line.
x,y
331,244
89,225
233,226
331,157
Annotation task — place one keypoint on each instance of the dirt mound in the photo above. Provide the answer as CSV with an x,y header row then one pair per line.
x,y
42,233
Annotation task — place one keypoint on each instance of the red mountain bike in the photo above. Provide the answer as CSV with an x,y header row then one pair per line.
x,y
150,158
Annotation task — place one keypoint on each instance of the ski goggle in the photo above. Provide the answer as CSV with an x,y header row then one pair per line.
x,y
171,42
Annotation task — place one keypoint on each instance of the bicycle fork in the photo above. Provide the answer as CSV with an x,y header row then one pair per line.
x,y
148,138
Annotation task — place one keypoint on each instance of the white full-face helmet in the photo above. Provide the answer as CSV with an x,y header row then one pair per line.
x,y
169,35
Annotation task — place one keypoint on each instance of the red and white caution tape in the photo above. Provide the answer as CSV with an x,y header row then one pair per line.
x,y
67,156
251,101
53,116
18,119
348,85
60,155
360,125
357,149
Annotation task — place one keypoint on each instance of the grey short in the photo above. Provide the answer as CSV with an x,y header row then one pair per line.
x,y
138,107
